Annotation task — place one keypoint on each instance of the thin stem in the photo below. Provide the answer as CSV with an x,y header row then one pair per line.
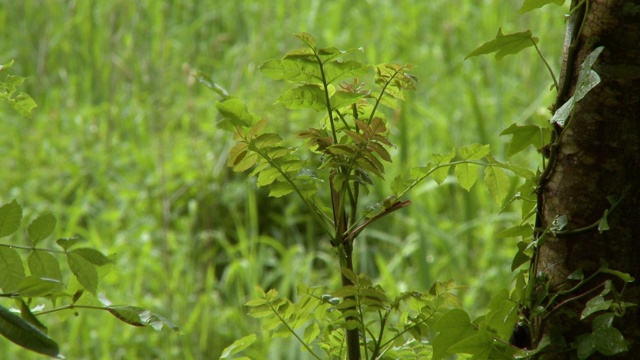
x,y
555,81
22,247
306,346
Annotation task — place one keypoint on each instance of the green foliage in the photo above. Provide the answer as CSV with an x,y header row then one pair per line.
x,y
21,102
46,281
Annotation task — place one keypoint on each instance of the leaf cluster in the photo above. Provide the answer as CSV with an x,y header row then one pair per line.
x,y
40,275
20,102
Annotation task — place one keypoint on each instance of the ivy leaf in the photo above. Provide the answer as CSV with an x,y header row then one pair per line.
x,y
238,346
41,227
504,45
10,217
497,183
587,80
11,269
595,304
535,4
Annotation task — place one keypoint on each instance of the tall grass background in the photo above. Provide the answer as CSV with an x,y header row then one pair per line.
x,y
125,150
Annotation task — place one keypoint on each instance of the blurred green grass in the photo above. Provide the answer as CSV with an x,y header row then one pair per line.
x,y
125,151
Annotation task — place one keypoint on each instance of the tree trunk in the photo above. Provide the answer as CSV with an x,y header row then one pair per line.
x,y
596,162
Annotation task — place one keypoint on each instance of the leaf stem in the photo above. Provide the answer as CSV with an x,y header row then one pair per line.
x,y
553,76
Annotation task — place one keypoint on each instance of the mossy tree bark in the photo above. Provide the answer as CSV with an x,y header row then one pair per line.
x,y
597,156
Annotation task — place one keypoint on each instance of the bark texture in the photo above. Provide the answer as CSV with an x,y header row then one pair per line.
x,y
598,156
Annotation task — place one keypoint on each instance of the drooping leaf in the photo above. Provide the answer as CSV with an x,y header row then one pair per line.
x,y
41,227
535,4
623,276
10,217
84,271
137,316
504,45
466,174
43,264
235,111
11,269
93,256
497,183
22,333
523,136
67,243
26,314
238,346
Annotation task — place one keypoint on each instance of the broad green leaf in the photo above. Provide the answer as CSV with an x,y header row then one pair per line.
x,y
304,97
41,227
84,271
238,346
43,264
520,257
10,217
338,70
34,286
595,304
535,4
91,255
519,230
280,188
523,136
452,327
22,333
235,111
497,182
11,269
244,162
504,45
268,176
609,342
266,140
503,319
474,151
343,98
440,175
602,322
585,346
479,345
311,332
467,175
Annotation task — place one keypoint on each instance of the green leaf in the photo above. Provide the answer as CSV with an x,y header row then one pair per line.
x,y
208,82
595,304
91,255
34,286
609,342
10,217
576,275
23,104
26,314
479,345
523,136
67,243
503,319
84,271
41,227
6,66
22,333
519,230
338,70
467,175
307,96
307,39
235,111
504,45
238,346
137,316
474,151
311,332
280,189
11,269
535,4
497,182
452,327
623,276
344,98
440,175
